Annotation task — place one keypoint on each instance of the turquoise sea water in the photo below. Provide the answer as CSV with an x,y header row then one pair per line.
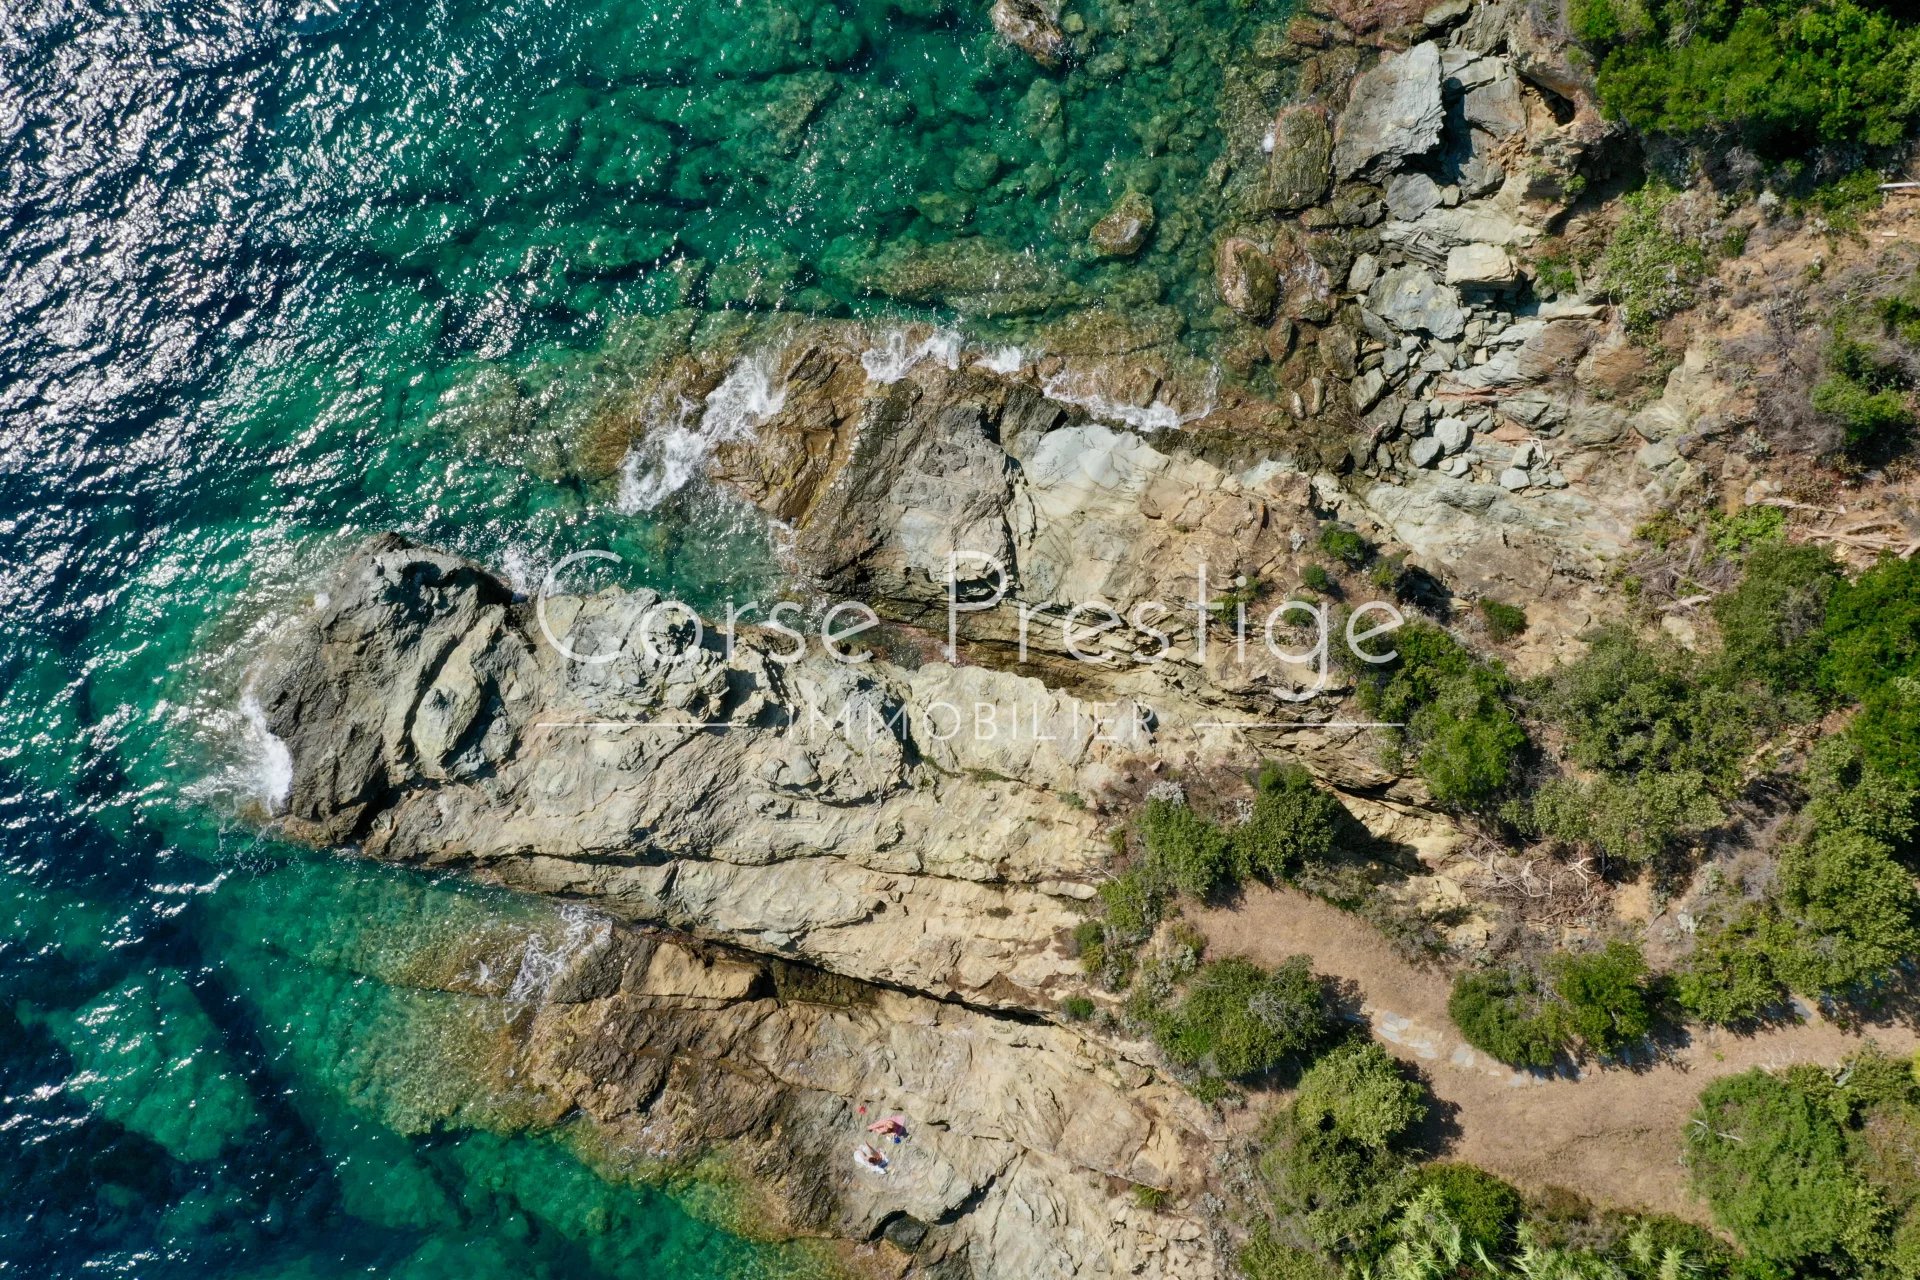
x,y
274,276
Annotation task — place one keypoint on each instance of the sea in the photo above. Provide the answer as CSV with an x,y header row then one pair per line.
x,y
276,275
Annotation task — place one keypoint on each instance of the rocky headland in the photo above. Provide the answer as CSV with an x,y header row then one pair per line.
x,y
817,895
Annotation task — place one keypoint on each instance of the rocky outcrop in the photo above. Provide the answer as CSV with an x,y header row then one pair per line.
x,y
1394,114
652,1055
817,812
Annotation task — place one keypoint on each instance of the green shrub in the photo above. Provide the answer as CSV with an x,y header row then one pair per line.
x,y
1486,1208
1784,75
1845,793
1294,822
1359,1092
1873,420
1647,268
1077,1008
1504,1014
1769,1155
1731,978
1184,850
1873,658
1873,629
1346,546
1855,912
1773,625
1635,819
1739,532
1237,1020
1316,577
1134,901
1605,994
1635,704
1504,621
1466,739
1264,1257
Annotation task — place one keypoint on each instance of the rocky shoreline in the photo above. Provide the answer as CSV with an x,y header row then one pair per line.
x,y
806,915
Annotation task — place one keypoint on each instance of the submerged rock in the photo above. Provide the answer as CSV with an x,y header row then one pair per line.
x,y
1299,169
1124,231
1032,26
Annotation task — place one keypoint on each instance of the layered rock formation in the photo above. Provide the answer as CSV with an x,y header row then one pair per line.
x,y
821,812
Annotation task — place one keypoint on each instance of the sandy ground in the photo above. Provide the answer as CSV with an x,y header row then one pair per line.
x,y
1614,1134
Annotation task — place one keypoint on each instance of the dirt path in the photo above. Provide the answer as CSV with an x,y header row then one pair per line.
x,y
1612,1134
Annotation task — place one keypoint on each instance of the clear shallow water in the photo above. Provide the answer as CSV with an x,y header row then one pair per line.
x,y
275,276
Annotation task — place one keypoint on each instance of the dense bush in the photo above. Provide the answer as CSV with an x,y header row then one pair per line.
x,y
1453,706
1773,625
1184,850
1845,793
1634,819
1873,657
1782,74
1359,1092
1811,1171
1505,1014
1605,995
1854,910
1649,268
1635,703
1294,822
1237,1020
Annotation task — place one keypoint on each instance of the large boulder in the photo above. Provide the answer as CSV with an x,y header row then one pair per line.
x,y
1032,26
1298,170
1246,278
1414,302
1480,264
1395,114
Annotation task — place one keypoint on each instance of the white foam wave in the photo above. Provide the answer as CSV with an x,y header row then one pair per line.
x,y
1002,360
542,961
268,764
676,450
890,361
1159,415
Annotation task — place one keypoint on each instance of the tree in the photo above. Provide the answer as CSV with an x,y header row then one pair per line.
x,y
1605,995
1359,1092
1769,1154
